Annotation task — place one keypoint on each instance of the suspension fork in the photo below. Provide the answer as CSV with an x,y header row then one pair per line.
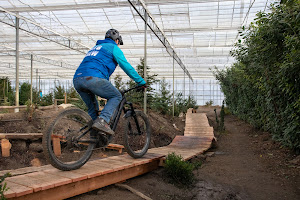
x,y
133,114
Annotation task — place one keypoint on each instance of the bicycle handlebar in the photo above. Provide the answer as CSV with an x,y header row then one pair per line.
x,y
125,91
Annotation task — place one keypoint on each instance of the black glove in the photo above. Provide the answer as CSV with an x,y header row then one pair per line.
x,y
141,88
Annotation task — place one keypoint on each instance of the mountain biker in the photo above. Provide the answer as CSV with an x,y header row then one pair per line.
x,y
92,78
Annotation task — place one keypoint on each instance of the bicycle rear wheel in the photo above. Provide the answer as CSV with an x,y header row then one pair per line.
x,y
62,146
137,134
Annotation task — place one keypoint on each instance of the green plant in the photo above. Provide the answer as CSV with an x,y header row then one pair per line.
x,y
179,171
222,115
119,84
162,99
3,185
25,94
217,119
6,92
209,103
47,100
59,92
263,86
137,97
182,105
78,103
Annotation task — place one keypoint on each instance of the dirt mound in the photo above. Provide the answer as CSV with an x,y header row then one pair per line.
x,y
22,152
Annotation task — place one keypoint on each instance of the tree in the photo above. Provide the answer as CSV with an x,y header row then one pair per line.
x,y
137,97
6,92
119,84
263,86
59,92
24,96
162,100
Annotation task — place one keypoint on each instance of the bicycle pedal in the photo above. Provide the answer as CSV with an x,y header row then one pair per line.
x,y
102,141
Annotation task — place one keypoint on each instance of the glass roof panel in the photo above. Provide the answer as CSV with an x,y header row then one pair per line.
x,y
202,32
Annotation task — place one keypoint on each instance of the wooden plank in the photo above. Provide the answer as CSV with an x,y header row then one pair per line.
x,y
56,146
117,147
114,164
76,188
25,170
67,174
16,190
91,170
23,136
5,147
49,179
26,181
102,172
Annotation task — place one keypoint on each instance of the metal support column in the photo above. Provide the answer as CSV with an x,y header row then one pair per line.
x,y
183,85
39,85
173,86
145,65
189,87
31,74
36,79
17,63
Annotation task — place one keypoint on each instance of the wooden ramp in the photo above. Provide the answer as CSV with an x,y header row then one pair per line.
x,y
49,183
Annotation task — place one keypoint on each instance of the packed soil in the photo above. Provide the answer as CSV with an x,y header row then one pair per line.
x,y
245,163
25,153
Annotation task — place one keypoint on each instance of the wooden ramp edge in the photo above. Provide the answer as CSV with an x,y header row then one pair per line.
x,y
47,182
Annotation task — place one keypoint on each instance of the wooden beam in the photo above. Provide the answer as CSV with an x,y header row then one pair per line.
x,y
23,136
86,185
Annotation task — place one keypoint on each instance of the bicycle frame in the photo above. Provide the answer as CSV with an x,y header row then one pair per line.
x,y
121,107
116,115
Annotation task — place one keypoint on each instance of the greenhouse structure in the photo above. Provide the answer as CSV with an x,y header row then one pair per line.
x,y
43,41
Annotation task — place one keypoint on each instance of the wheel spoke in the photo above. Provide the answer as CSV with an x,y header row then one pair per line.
x,y
67,142
137,136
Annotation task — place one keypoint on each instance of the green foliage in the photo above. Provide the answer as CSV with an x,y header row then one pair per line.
x,y
79,103
119,84
163,99
263,86
59,92
24,94
209,103
182,105
217,119
222,115
47,100
179,171
220,123
3,186
137,97
72,93
7,94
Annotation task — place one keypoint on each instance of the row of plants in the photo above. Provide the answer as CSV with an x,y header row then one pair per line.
x,y
160,101
263,85
8,94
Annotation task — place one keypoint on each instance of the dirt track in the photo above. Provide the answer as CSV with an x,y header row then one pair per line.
x,y
246,164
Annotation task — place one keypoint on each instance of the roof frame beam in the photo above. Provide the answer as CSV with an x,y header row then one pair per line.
x,y
110,4
142,10
41,31
25,55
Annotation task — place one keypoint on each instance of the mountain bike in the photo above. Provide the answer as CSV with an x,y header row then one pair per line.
x,y
69,140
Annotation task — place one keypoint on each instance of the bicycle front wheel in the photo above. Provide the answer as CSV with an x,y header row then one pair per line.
x,y
137,134
67,142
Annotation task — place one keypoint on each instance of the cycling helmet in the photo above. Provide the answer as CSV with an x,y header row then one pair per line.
x,y
114,34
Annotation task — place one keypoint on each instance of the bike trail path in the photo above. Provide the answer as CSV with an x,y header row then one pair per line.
x,y
47,182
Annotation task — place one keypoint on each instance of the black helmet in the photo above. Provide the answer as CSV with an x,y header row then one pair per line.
x,y
114,35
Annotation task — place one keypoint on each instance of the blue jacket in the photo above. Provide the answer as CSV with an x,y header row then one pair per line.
x,y
102,60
